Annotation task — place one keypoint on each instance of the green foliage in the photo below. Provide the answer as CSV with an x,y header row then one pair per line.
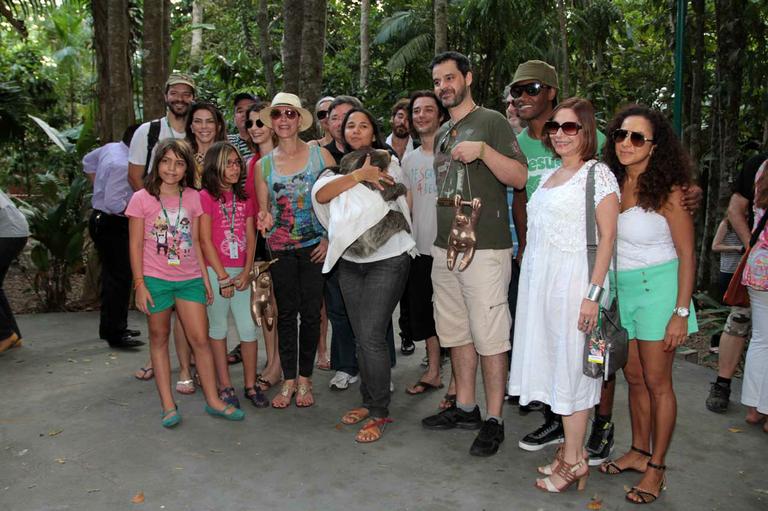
x,y
711,314
57,222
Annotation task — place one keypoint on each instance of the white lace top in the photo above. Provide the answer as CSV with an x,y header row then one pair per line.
x,y
644,239
564,220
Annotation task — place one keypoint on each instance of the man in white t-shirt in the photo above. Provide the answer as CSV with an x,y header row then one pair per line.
x,y
426,114
179,95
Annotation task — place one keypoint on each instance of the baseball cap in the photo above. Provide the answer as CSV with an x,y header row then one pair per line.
x,y
178,78
536,70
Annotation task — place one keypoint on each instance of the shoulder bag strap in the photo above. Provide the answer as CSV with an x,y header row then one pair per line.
x,y
758,229
152,137
592,230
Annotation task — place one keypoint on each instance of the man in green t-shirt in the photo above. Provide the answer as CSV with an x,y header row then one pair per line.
x,y
476,157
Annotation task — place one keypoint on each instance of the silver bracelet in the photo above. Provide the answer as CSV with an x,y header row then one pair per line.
x,y
594,293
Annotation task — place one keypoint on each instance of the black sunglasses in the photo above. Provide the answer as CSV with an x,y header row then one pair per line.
x,y
637,139
532,89
249,124
569,128
275,114
321,114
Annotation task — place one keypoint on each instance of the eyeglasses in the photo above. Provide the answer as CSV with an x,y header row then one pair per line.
x,y
637,139
569,128
249,124
532,89
321,114
287,113
233,162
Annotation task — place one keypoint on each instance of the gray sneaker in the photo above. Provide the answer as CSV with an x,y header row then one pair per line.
x,y
718,398
341,381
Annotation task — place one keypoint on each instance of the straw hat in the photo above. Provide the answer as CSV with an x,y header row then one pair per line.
x,y
291,100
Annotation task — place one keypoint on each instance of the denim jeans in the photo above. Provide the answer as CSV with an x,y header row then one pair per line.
x,y
371,292
298,284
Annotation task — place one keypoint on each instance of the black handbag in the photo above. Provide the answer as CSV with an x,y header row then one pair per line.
x,y
607,346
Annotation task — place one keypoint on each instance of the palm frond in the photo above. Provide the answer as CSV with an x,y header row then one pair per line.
x,y
411,51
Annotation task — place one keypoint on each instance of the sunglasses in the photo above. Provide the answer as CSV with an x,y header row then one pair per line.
x,y
532,89
287,113
569,128
249,124
321,114
637,139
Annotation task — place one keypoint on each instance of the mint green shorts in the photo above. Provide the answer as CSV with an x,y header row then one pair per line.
x,y
647,297
165,292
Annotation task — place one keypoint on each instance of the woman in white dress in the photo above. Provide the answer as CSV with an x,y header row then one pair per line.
x,y
558,300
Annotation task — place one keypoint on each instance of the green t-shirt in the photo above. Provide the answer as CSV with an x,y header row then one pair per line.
x,y
541,160
454,177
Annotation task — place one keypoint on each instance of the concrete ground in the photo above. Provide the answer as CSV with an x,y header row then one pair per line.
x,y
77,431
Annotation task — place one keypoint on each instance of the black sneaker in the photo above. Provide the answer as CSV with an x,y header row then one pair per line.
x,y
407,346
600,442
454,417
546,434
719,394
488,440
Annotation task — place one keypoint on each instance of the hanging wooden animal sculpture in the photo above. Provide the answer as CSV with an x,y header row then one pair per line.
x,y
261,295
462,238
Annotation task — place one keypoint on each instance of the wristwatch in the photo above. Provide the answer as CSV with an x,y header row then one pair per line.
x,y
683,312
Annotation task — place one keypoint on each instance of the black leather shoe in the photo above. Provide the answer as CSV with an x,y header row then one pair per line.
x,y
407,346
125,341
488,440
454,417
133,333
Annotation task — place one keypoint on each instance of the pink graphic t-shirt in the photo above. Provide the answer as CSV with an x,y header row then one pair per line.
x,y
168,252
228,233
756,270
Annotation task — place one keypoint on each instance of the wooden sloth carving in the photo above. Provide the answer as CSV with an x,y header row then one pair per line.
x,y
262,310
462,238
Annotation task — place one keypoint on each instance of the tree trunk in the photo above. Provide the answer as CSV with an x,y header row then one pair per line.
x,y
293,22
312,51
265,47
697,79
111,38
441,26
365,43
731,39
564,68
154,70
195,49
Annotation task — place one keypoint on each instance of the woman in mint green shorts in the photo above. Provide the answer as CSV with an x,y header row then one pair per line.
x,y
656,269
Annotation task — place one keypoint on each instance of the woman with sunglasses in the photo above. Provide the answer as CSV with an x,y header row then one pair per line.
x,y
321,113
558,299
371,285
283,180
656,271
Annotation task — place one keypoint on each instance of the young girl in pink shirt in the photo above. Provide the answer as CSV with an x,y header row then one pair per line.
x,y
168,270
228,239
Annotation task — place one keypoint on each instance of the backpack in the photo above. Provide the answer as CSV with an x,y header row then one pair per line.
x,y
152,137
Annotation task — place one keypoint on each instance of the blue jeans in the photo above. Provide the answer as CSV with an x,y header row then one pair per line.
x,y
371,292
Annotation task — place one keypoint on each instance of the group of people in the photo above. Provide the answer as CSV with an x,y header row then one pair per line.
x,y
484,247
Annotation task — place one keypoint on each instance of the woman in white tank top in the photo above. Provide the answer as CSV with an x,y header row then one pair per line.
x,y
656,271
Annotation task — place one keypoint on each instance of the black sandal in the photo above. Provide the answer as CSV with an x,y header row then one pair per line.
x,y
234,356
645,496
611,468
256,396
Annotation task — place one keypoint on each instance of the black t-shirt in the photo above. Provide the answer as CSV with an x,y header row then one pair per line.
x,y
337,155
744,184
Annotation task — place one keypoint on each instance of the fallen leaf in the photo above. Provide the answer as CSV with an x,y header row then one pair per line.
x,y
86,360
72,360
61,461
339,427
23,452
94,490
759,490
138,498
735,430
55,432
595,503
214,450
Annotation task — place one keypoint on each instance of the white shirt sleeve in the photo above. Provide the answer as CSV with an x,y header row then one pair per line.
x,y
137,154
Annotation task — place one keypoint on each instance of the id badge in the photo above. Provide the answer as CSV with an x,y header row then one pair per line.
x,y
233,249
596,351
173,260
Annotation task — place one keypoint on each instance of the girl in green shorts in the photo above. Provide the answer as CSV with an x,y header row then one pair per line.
x,y
167,264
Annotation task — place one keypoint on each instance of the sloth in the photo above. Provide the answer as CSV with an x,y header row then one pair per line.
x,y
261,293
394,221
462,238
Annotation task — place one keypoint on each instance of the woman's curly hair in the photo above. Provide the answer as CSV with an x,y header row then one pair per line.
x,y
668,165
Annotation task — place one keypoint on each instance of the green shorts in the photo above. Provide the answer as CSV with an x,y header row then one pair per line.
x,y
647,297
165,292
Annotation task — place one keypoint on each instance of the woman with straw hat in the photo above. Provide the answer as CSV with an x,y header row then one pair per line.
x,y
284,179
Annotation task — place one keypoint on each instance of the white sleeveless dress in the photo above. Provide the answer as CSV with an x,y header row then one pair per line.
x,y
547,350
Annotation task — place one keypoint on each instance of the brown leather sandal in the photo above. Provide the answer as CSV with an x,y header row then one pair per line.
x,y
355,415
375,427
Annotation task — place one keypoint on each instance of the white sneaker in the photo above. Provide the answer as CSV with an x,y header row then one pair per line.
x,y
341,381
